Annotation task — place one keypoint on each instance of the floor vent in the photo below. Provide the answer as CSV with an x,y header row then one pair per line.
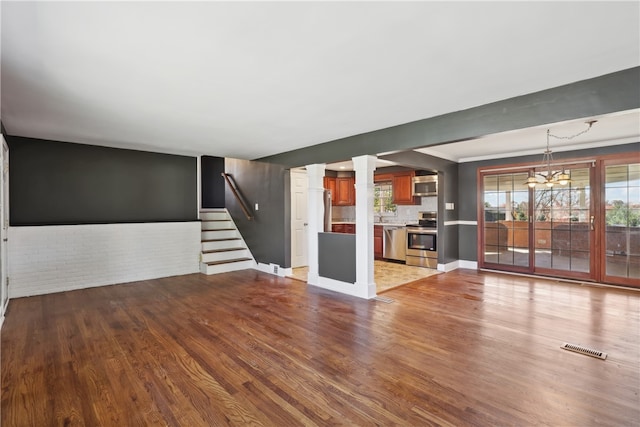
x,y
384,299
584,350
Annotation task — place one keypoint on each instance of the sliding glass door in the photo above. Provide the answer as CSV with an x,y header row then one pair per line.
x,y
506,220
563,226
621,211
585,228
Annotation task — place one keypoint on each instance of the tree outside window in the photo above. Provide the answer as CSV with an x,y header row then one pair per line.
x,y
620,214
383,198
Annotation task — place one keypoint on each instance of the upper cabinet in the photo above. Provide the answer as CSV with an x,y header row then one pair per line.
x,y
330,184
342,189
402,186
345,192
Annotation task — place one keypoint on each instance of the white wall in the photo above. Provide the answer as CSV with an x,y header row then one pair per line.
x,y
49,259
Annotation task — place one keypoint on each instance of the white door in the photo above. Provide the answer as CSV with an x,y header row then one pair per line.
x,y
4,218
299,184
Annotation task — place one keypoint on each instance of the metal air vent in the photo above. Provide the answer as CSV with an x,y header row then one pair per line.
x,y
584,350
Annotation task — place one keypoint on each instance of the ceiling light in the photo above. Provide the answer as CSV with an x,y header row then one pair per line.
x,y
550,177
564,178
531,181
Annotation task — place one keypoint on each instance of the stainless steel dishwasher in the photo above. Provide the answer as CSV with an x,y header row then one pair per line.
x,y
395,242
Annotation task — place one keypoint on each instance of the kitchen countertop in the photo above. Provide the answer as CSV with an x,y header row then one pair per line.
x,y
392,224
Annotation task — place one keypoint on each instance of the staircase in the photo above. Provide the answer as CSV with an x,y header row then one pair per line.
x,y
223,248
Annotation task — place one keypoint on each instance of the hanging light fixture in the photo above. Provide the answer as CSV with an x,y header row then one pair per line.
x,y
547,157
564,178
550,177
531,181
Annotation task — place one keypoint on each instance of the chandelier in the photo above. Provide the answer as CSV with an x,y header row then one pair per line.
x,y
550,177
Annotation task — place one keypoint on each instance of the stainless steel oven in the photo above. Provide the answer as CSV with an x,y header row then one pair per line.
x,y
422,241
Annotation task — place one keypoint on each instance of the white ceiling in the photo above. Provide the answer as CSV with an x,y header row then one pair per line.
x,y
612,129
251,79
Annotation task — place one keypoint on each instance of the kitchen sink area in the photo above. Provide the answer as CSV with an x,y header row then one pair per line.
x,y
401,197
405,215
413,243
404,246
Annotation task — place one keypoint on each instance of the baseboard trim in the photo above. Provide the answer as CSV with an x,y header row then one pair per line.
x,y
470,265
563,280
454,265
274,269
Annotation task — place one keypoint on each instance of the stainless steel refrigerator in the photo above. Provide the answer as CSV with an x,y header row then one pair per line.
x,y
327,210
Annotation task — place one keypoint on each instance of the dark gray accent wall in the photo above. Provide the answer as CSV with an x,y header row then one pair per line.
x,y
467,205
619,91
212,182
468,186
268,235
53,183
337,256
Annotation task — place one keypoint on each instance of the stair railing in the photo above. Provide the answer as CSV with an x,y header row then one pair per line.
x,y
236,193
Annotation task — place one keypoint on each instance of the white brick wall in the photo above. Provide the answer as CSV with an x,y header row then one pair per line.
x,y
50,259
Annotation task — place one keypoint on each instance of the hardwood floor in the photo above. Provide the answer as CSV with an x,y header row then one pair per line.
x,y
248,348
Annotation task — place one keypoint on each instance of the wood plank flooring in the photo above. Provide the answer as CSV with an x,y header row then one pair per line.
x,y
248,348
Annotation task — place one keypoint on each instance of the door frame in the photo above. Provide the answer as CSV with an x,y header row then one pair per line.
x,y
4,227
601,223
597,209
295,261
594,274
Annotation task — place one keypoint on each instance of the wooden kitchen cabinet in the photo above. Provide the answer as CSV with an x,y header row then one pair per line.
x,y
343,228
378,237
402,183
402,189
342,189
330,184
345,192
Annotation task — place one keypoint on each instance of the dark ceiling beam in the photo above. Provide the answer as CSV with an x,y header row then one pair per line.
x,y
619,91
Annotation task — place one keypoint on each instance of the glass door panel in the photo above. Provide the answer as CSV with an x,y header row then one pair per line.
x,y
588,229
506,219
562,226
622,222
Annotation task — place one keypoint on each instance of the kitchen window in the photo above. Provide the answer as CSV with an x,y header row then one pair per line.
x,y
383,198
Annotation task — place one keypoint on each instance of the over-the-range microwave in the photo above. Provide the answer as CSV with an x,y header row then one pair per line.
x,y
425,185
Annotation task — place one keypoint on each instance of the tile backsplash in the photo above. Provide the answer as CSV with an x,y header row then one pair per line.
x,y
404,213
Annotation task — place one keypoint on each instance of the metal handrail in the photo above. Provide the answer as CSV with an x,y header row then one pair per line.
x,y
236,193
